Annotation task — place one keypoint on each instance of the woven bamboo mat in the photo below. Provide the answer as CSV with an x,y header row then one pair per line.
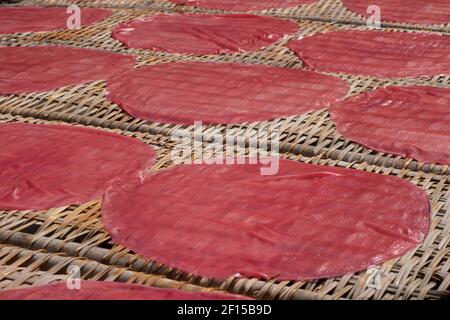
x,y
325,11
321,10
158,4
310,134
20,267
77,232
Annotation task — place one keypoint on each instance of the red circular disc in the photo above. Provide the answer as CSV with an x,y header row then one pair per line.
x,y
422,12
221,93
44,68
48,166
34,19
203,33
382,54
239,5
306,221
104,290
408,121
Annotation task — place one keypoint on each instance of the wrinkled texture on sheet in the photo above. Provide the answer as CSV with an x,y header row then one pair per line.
x,y
384,54
222,93
408,121
305,222
44,68
201,34
34,19
48,166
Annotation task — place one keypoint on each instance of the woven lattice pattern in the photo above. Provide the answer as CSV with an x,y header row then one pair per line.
x,y
37,247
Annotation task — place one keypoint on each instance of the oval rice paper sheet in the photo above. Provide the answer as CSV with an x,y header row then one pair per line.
x,y
304,222
104,290
201,34
384,54
48,166
408,121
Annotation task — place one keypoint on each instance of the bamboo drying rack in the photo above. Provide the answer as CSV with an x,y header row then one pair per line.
x,y
38,246
321,10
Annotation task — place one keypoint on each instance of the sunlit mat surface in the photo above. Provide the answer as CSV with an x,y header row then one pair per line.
x,y
77,230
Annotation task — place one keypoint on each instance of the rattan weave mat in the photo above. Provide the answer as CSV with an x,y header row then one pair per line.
x,y
38,246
